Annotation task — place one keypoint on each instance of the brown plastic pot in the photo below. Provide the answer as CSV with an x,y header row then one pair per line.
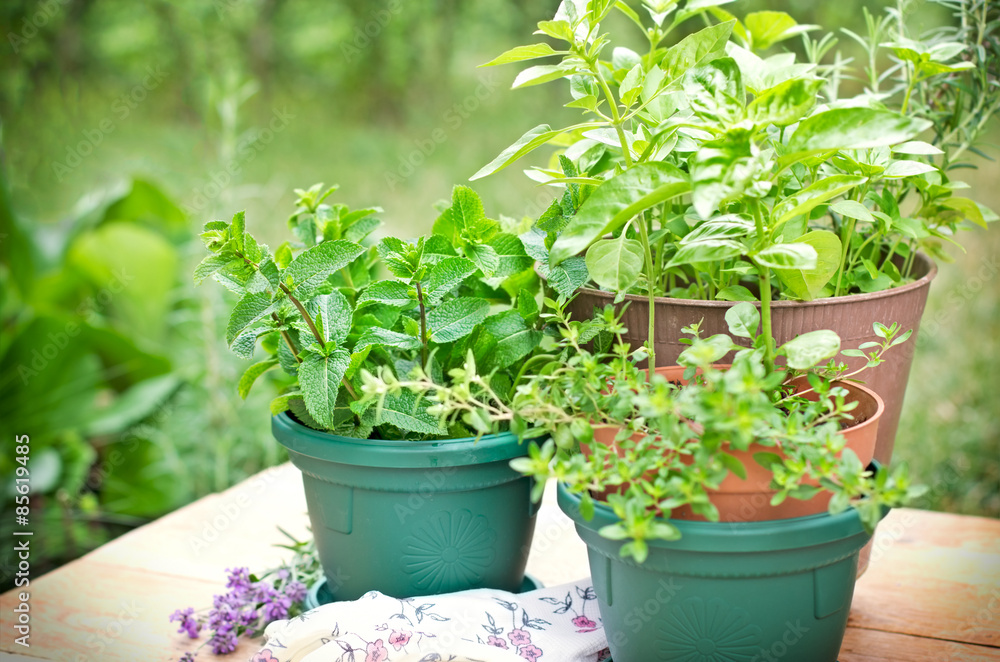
x,y
749,499
851,317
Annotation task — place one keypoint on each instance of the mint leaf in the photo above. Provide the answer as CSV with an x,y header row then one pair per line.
x,y
320,377
514,340
210,265
251,375
248,311
456,318
446,275
389,292
484,257
334,316
407,411
385,338
312,266
511,255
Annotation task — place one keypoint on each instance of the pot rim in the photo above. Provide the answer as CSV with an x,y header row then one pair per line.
x,y
394,453
923,281
728,537
861,388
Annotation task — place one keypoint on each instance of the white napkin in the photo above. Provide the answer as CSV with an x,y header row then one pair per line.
x,y
558,624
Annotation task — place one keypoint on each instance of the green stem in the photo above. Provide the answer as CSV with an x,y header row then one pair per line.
x,y
423,327
524,369
616,119
846,241
288,339
651,292
765,316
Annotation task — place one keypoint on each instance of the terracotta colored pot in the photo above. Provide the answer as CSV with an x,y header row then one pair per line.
x,y
749,499
851,317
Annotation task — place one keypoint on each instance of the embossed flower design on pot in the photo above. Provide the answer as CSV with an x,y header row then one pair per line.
x,y
713,631
449,551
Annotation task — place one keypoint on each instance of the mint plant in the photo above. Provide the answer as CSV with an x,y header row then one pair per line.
x,y
321,314
675,442
707,169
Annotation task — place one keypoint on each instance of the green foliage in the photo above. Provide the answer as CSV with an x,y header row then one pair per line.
x,y
841,192
673,443
327,333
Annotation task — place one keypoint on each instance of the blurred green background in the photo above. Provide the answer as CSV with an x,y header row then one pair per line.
x,y
126,125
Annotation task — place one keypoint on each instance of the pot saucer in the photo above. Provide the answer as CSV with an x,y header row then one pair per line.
x,y
319,594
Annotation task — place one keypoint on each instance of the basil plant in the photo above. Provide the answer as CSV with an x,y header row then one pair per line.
x,y
722,166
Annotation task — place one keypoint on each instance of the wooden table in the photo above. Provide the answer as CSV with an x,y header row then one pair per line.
x,y
932,592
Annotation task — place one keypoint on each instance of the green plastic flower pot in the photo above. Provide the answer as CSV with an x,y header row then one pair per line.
x,y
727,592
409,518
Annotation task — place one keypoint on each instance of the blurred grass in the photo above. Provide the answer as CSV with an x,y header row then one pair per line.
x,y
396,123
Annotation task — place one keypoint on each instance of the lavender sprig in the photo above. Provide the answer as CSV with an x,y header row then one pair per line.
x,y
251,603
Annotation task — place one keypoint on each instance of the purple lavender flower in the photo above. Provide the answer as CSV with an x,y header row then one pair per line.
x,y
296,592
277,608
223,642
186,657
189,624
239,580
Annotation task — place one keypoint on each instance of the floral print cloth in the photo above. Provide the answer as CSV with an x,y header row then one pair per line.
x,y
558,624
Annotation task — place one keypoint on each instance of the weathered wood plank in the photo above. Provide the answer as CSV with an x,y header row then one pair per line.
x,y
876,646
933,575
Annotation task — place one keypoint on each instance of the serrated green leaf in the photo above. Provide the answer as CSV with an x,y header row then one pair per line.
x,y
456,318
514,339
280,403
527,306
252,373
446,275
386,338
407,411
210,265
335,315
469,216
484,257
568,276
248,311
511,256
394,293
616,201
312,266
237,229
319,378
358,358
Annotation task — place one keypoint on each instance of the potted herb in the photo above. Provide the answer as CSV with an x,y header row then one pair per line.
x,y
398,503
734,580
707,172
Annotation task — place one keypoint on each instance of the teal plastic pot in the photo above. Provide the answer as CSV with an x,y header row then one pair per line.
x,y
727,592
410,518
